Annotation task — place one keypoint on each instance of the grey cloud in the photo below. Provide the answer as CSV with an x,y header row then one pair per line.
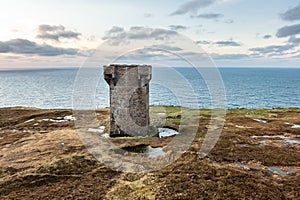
x,y
229,21
210,16
192,6
191,54
288,31
229,56
22,46
294,40
228,43
148,15
292,14
267,36
165,47
45,28
177,27
270,55
56,33
273,49
12,57
116,29
152,54
203,42
147,53
296,56
141,56
118,35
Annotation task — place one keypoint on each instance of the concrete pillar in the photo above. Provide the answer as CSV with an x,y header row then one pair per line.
x,y
129,99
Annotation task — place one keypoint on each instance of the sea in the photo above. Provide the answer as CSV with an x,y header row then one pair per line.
x,y
238,88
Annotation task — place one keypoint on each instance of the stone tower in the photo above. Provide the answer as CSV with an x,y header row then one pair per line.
x,y
129,99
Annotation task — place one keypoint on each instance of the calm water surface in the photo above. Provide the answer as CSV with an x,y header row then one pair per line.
x,y
245,87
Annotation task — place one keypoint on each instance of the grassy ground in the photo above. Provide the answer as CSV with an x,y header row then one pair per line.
x,y
47,160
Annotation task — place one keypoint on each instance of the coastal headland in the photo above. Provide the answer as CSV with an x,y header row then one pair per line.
x,y
256,157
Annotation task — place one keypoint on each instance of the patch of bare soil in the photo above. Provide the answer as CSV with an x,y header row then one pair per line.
x,y
256,157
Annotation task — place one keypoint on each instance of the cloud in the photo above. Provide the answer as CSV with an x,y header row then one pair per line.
x,y
193,54
209,16
155,55
229,21
148,53
56,33
273,49
228,43
203,42
229,56
22,46
165,52
292,14
288,31
118,35
165,47
267,36
192,6
294,40
296,56
177,27
148,15
116,29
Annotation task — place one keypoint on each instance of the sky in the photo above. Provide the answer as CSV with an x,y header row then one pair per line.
x,y
232,33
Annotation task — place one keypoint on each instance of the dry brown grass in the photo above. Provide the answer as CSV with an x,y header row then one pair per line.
x,y
48,161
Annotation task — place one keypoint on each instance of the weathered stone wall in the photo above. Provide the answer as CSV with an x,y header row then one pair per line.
x,y
129,99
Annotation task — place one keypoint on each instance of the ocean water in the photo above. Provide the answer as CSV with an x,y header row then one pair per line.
x,y
244,87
